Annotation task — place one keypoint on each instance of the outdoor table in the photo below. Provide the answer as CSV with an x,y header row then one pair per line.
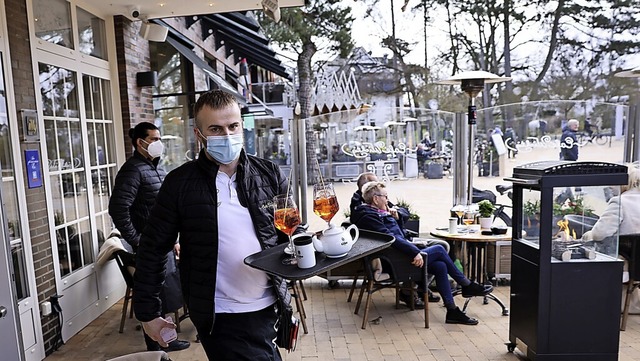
x,y
475,244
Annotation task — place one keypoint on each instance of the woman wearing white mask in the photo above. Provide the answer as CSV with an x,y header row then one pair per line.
x,y
134,194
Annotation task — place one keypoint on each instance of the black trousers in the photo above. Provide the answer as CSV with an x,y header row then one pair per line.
x,y
240,336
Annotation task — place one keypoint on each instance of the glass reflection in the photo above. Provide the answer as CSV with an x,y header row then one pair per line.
x,y
91,34
52,20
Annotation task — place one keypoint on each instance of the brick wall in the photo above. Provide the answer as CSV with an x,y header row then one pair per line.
x,y
18,35
133,57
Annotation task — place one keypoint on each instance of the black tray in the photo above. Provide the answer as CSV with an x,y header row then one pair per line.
x,y
270,260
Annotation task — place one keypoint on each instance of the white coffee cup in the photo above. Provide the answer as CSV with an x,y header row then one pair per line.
x,y
305,253
453,225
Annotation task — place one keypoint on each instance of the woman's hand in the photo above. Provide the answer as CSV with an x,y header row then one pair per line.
x,y
418,261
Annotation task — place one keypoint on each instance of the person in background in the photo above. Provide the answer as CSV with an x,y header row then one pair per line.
x,y
134,194
568,141
374,215
588,127
511,141
220,206
626,205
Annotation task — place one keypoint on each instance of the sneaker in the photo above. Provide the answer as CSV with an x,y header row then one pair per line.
x,y
457,316
433,297
418,304
476,289
176,345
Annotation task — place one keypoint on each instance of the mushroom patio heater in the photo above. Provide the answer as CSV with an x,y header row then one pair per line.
x,y
472,83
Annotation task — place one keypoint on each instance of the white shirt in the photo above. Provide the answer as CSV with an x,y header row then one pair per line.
x,y
239,288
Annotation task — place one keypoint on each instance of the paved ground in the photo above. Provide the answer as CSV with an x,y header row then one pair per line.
x,y
334,330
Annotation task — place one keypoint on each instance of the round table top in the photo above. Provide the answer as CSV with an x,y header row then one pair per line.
x,y
471,237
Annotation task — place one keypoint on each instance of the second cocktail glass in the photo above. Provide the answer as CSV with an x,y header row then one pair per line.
x,y
325,202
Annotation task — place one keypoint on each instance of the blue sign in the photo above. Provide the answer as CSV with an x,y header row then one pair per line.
x,y
34,172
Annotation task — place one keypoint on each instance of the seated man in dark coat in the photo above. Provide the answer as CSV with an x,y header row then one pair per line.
x,y
374,215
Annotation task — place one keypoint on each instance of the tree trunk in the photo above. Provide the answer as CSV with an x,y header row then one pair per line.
x,y
305,77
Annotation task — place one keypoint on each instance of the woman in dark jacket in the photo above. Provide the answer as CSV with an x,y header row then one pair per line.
x,y
374,216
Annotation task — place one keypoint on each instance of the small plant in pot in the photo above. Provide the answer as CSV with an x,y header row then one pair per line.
x,y
485,208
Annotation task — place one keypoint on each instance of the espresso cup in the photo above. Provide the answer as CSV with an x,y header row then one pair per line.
x,y
305,253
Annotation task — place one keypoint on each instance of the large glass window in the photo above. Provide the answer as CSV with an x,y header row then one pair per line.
x,y
172,106
102,159
52,20
91,34
9,197
67,167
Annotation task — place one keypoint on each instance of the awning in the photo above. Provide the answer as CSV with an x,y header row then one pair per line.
x,y
241,33
206,68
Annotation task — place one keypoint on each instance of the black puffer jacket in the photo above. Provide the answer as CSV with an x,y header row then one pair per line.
x,y
134,194
187,205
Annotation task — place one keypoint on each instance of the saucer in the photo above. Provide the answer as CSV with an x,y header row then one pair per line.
x,y
337,256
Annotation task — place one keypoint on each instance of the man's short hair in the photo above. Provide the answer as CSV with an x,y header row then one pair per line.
x,y
365,178
370,189
214,99
573,122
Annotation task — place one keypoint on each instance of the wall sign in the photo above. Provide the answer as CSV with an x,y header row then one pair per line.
x,y
34,173
30,125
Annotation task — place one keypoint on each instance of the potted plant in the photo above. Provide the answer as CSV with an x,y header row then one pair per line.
x,y
413,223
531,218
485,208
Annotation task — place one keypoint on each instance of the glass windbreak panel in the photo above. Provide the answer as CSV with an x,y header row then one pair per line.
x,y
531,216
383,140
578,233
52,20
91,34
532,131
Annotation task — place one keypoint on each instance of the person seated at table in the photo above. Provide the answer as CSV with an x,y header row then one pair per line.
x,y
401,215
374,215
628,203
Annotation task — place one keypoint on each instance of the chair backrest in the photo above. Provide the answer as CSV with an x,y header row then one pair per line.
x,y
399,267
126,263
630,249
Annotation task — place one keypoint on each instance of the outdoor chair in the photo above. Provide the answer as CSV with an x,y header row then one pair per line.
x,y
403,276
629,245
127,264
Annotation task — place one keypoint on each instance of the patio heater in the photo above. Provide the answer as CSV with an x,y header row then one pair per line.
x,y
472,83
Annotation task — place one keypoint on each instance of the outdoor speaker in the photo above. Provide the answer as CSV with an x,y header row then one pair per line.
x,y
153,32
147,78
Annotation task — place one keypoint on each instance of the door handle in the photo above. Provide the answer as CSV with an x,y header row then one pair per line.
x,y
3,311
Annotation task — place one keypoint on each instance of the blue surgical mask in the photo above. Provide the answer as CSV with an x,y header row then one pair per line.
x,y
224,148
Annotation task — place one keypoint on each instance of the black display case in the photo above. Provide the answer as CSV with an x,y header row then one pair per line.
x,y
565,293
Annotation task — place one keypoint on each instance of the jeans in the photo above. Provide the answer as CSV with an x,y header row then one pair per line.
x,y
441,266
246,336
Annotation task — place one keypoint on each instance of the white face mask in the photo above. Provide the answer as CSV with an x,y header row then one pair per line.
x,y
155,149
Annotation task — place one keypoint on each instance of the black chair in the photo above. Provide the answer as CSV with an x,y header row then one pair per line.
x,y
127,264
404,276
629,245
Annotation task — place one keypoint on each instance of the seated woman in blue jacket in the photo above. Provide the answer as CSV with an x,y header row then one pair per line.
x,y
374,215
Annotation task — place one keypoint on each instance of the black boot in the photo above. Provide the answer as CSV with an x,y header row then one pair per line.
x,y
455,315
418,304
476,289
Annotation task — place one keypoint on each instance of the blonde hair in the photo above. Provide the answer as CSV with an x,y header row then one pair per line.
x,y
370,189
633,169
